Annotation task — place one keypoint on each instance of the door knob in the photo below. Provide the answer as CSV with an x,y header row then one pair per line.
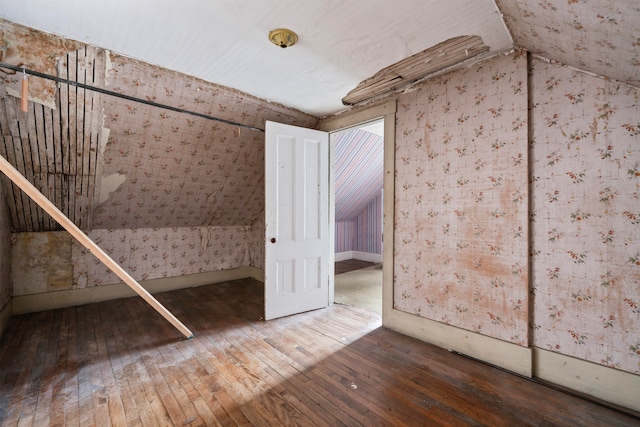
x,y
273,240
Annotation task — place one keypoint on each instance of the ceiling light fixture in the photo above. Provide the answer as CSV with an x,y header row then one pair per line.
x,y
283,37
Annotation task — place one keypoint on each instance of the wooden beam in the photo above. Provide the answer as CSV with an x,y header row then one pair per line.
x,y
26,186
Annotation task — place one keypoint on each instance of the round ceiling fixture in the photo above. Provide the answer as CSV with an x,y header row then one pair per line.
x,y
283,37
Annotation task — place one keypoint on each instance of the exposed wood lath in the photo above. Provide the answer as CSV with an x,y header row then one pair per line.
x,y
56,149
429,61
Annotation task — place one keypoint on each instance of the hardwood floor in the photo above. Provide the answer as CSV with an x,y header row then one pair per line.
x,y
119,363
360,286
351,265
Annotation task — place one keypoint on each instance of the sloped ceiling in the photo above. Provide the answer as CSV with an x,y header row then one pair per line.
x,y
358,171
599,36
112,163
160,169
226,41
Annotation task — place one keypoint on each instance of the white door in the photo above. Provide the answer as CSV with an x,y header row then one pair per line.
x,y
296,274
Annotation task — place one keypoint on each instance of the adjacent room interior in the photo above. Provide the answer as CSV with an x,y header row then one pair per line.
x,y
183,189
359,167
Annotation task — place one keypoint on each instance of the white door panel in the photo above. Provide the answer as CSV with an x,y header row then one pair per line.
x,y
297,220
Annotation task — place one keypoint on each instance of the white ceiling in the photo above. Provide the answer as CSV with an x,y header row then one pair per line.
x,y
341,42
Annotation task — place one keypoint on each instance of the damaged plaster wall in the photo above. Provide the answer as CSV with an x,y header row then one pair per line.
x,y
41,262
22,46
176,194
52,261
55,145
183,170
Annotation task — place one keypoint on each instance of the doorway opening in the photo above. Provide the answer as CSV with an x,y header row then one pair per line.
x,y
358,178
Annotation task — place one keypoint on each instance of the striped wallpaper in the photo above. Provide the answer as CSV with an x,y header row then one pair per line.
x,y
359,178
363,233
359,167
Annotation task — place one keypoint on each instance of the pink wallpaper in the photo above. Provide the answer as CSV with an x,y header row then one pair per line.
x,y
165,252
600,36
585,160
257,242
461,200
192,199
183,170
193,196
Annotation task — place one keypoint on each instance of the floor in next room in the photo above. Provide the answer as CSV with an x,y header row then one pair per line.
x,y
359,283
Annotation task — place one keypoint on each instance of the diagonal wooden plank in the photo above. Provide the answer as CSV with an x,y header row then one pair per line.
x,y
52,210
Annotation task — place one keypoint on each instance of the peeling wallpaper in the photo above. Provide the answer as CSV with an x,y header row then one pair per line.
x,y
36,50
585,162
179,170
600,36
170,179
461,200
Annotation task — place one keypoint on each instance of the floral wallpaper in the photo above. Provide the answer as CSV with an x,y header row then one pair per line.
x,y
600,36
181,170
461,205
157,253
257,241
585,162
189,192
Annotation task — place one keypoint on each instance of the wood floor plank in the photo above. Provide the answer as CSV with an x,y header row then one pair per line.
x,y
108,394
138,369
56,416
126,371
9,361
43,407
121,390
120,363
269,383
351,265
205,382
20,402
85,398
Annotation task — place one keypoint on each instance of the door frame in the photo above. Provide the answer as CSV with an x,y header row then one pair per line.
x,y
354,118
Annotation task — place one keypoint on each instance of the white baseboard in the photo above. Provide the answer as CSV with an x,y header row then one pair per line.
x,y
256,273
362,256
602,382
5,315
500,353
51,300
343,256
